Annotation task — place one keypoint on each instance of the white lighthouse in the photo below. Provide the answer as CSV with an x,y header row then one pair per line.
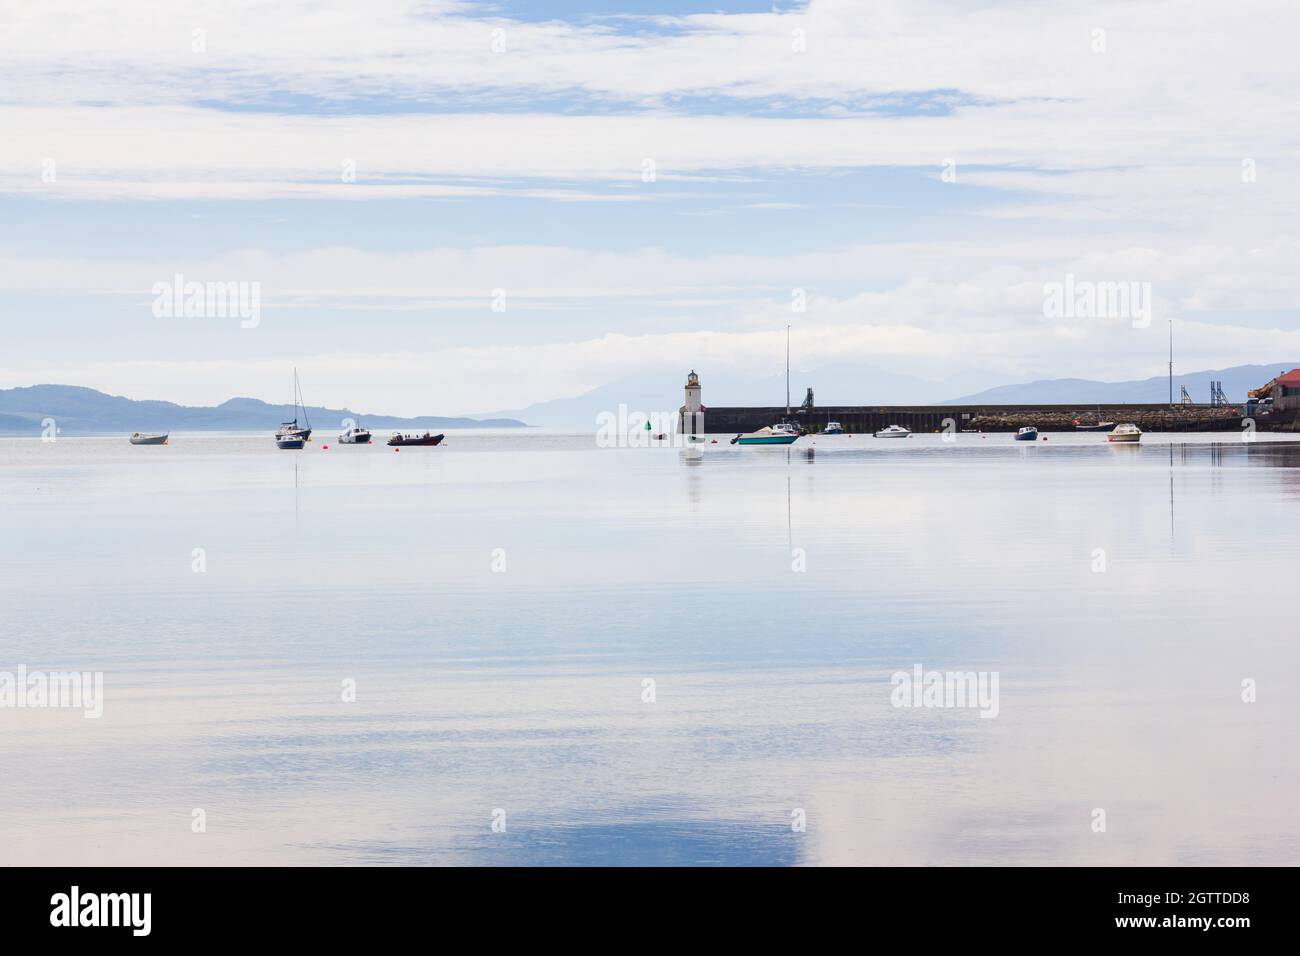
x,y
691,415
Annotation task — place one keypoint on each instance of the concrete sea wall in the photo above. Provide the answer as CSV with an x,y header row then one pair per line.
x,y
994,418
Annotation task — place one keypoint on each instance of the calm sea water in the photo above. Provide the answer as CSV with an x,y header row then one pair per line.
x,y
503,603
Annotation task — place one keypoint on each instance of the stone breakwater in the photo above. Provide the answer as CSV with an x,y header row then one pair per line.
x,y
1161,420
859,419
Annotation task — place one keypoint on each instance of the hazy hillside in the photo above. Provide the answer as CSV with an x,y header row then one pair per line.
x,y
849,383
838,383
1236,382
86,411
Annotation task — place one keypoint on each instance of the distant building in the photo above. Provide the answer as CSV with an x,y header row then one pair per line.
x,y
1286,393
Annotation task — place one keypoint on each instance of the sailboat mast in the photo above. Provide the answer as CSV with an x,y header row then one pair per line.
x,y
305,420
787,371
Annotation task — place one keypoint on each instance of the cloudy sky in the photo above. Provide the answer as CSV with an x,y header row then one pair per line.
x,y
639,187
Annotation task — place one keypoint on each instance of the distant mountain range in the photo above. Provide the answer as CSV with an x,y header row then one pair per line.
x,y
85,411
846,383
1236,382
835,383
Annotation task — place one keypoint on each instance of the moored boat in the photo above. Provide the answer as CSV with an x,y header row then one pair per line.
x,y
290,434
894,431
767,436
140,438
356,435
1028,433
833,428
398,438
1099,427
1125,433
782,433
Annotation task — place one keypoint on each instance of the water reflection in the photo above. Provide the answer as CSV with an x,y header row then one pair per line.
x,y
523,689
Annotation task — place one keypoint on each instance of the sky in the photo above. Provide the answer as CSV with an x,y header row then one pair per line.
x,y
452,207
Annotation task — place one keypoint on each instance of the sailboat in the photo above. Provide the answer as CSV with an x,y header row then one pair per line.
x,y
1100,426
290,434
782,433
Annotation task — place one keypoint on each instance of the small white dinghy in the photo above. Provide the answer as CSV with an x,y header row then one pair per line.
x,y
139,438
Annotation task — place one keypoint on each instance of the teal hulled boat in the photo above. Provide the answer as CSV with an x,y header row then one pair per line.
x,y
783,433
766,436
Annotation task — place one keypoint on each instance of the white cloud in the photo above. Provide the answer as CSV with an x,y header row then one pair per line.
x,y
921,282
493,377
1120,164
175,152
1163,117
989,316
1029,49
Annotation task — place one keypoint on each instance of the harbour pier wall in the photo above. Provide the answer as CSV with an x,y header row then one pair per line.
x,y
994,418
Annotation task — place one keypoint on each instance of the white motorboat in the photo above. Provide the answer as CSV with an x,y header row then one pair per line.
x,y
894,431
1127,432
140,438
833,428
356,435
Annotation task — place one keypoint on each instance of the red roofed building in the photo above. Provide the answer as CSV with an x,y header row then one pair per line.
x,y
1286,393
